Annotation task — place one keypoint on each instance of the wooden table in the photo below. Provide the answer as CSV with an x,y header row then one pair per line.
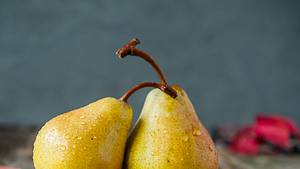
x,y
16,151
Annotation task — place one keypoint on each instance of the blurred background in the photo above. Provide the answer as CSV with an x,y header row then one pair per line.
x,y
235,59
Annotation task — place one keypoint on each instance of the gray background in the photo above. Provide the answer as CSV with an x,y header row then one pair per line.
x,y
234,58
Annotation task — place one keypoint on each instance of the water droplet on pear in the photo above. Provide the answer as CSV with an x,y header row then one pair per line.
x,y
62,147
196,132
185,138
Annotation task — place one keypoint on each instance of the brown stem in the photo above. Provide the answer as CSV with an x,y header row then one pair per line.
x,y
130,49
168,90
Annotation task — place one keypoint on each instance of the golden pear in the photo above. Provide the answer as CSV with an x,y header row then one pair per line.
x,y
91,137
169,135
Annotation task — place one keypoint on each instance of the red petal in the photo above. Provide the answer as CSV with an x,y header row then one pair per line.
x,y
274,129
245,142
277,119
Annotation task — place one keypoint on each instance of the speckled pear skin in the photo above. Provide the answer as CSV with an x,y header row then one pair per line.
x,y
91,137
169,135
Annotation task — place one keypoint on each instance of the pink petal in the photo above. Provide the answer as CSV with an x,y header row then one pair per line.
x,y
271,119
3,167
273,129
245,142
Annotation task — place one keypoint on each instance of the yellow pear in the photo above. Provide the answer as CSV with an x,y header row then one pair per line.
x,y
91,137
168,134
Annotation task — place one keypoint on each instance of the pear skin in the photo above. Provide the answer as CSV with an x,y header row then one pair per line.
x,y
91,137
169,135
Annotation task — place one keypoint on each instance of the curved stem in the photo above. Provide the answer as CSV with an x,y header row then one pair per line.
x,y
130,49
160,86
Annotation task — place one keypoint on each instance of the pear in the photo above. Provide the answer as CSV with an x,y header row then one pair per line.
x,y
91,137
168,134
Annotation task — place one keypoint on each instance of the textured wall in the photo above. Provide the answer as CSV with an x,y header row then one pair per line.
x,y
234,58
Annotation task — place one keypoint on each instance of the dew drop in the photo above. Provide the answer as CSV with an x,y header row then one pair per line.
x,y
93,138
79,138
81,117
196,132
62,147
185,138
74,146
181,159
152,133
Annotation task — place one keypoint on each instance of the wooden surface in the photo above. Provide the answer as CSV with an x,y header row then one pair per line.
x,y
233,161
16,151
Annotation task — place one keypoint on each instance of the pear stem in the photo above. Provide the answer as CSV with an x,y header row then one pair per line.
x,y
168,90
130,49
